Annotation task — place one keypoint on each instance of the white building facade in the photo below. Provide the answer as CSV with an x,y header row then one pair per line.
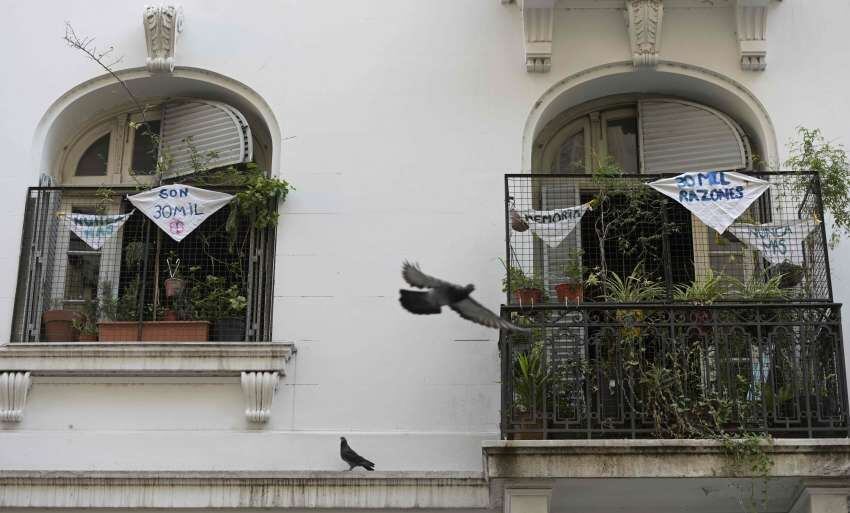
x,y
396,122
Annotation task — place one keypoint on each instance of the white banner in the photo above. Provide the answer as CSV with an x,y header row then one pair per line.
x,y
553,226
777,242
95,229
179,209
717,198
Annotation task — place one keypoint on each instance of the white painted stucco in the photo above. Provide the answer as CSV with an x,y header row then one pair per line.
x,y
395,120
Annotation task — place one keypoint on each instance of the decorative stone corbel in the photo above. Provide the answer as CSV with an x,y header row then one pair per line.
x,y
538,19
643,19
14,387
259,389
162,24
751,22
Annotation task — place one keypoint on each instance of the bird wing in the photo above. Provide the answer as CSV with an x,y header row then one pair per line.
x,y
472,310
413,275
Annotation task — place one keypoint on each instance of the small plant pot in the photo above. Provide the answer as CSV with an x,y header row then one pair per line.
x,y
169,315
528,296
231,329
174,286
533,425
517,222
88,337
59,325
569,292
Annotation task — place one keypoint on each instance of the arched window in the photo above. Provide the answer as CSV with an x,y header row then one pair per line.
x,y
641,136
121,272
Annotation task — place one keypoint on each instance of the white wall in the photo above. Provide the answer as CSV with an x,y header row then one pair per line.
x,y
399,119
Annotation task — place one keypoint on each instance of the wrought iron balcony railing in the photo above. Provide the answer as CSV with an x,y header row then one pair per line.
x,y
82,278
673,370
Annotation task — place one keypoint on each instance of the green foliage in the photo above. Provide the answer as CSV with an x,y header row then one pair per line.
x,y
634,288
87,323
125,307
519,280
531,377
812,152
760,289
572,268
703,291
213,298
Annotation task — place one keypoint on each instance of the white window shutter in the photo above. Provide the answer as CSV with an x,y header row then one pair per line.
x,y
209,127
679,136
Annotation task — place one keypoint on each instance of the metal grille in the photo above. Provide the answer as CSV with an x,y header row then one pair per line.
x,y
642,371
141,285
634,229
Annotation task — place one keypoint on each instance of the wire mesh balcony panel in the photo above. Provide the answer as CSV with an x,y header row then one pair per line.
x,y
631,226
140,285
673,370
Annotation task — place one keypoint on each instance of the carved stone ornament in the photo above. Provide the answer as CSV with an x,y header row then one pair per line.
x,y
643,19
538,18
751,27
162,24
259,389
14,388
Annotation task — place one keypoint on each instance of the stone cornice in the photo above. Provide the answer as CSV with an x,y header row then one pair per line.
x,y
145,358
204,489
658,458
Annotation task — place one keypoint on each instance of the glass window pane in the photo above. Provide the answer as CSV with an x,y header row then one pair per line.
x,y
621,138
145,149
94,160
81,276
571,155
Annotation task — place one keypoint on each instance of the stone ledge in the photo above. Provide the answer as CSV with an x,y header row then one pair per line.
x,y
145,358
376,490
828,457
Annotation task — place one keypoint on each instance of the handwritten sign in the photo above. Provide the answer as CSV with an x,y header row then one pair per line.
x,y
553,226
179,209
777,242
717,198
93,229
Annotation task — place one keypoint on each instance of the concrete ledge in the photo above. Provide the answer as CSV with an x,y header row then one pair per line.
x,y
145,358
373,490
657,458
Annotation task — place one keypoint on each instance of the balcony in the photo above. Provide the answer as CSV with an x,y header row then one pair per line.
x,y
644,323
85,278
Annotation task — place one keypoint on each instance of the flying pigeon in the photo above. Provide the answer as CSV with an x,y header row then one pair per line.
x,y
352,458
443,293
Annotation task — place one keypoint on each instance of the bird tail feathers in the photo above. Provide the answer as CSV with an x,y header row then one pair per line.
x,y
417,302
368,465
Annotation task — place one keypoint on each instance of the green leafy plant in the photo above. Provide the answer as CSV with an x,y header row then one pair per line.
x,y
519,280
124,307
812,152
759,288
86,324
703,291
214,298
531,377
634,288
572,268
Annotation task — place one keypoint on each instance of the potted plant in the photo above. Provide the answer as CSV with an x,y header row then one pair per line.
x,y
121,320
223,304
572,290
531,377
634,288
527,290
86,322
174,284
702,291
58,323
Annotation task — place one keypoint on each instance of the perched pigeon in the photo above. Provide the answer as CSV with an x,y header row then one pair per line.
x,y
443,293
352,458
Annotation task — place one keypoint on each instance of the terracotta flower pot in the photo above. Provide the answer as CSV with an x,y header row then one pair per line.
x,y
528,421
174,286
88,337
154,331
569,292
528,296
169,315
59,325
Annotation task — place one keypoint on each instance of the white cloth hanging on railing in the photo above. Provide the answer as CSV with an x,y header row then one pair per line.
x,y
777,242
178,209
95,229
552,226
717,198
